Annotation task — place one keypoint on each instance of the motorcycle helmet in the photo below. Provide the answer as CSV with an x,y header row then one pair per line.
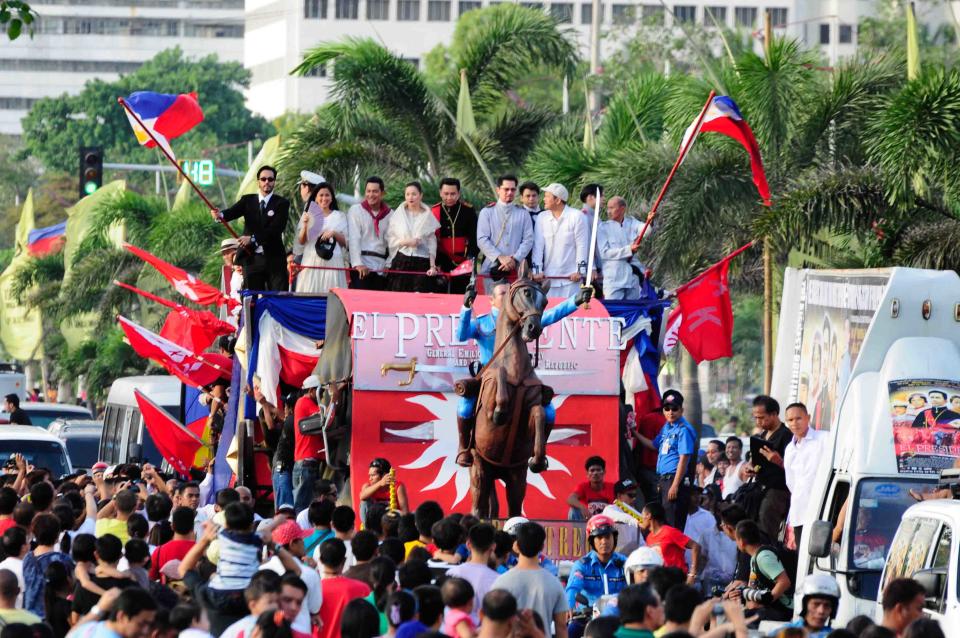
x,y
820,586
641,558
513,524
601,525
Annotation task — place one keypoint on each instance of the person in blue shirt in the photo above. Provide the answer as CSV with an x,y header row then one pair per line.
x,y
599,573
676,446
511,527
821,598
483,329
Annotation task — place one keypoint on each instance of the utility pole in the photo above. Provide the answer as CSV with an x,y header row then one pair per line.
x,y
593,103
767,256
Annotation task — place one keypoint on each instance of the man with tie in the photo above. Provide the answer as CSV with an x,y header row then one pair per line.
x,y
261,252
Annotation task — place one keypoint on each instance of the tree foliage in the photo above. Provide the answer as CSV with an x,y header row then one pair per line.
x,y
15,16
55,127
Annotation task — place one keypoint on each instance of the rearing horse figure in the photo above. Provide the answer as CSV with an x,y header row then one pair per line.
x,y
511,430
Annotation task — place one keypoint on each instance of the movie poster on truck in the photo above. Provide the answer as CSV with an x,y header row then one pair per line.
x,y
925,414
835,312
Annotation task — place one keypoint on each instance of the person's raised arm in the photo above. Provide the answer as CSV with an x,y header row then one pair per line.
x,y
369,489
193,555
90,501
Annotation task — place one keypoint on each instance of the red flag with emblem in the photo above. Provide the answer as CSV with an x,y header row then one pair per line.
x,y
179,446
185,283
197,370
706,330
193,329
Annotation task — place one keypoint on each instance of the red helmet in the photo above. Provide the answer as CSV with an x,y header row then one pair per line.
x,y
600,525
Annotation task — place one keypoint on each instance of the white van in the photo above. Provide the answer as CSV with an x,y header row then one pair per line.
x,y
38,446
927,549
875,356
124,438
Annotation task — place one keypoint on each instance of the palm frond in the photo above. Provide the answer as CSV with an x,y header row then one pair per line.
x,y
932,245
636,112
36,279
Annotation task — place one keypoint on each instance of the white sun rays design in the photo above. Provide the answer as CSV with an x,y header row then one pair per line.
x,y
443,430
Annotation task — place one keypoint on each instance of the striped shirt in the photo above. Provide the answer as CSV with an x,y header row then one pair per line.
x,y
239,560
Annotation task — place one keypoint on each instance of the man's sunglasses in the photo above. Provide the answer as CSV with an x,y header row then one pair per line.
x,y
268,179
670,408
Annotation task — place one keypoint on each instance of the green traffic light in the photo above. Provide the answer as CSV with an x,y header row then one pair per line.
x,y
90,188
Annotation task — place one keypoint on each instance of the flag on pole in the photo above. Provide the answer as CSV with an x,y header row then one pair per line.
x,y
671,332
465,267
181,448
166,116
706,329
197,370
47,240
466,125
913,44
723,116
185,283
195,330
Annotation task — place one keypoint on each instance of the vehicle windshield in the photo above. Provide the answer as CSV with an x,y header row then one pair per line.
x,y
877,510
43,418
46,454
83,451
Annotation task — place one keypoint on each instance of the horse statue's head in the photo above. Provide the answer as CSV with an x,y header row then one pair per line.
x,y
525,302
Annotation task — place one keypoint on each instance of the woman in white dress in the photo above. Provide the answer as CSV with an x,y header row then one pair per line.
x,y
322,223
412,241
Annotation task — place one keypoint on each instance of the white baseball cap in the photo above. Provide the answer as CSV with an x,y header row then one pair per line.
x,y
313,381
558,190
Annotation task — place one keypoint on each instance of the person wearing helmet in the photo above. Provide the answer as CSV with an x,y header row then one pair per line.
x,y
640,563
821,598
511,527
599,573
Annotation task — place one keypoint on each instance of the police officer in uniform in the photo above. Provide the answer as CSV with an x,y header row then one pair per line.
x,y
457,235
676,459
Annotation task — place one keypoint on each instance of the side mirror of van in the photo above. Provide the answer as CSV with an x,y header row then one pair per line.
x,y
821,539
931,580
134,452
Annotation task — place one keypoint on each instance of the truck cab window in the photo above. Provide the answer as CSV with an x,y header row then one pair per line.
x,y
941,561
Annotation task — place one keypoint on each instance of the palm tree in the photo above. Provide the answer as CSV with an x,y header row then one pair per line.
x,y
388,118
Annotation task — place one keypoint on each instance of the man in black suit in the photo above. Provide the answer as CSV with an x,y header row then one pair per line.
x,y
261,251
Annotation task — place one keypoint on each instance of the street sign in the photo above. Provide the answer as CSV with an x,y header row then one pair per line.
x,y
201,171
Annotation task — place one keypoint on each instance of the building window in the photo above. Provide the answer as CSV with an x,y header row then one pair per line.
x,y
718,15
778,17
846,34
414,62
468,5
315,9
824,33
438,11
408,10
685,13
652,14
378,9
586,14
745,16
562,12
318,71
347,9
623,13
532,5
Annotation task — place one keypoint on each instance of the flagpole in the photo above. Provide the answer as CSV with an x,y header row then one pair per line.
x,y
187,353
676,165
160,300
179,168
727,258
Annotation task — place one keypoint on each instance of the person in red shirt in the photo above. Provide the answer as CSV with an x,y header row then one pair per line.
x,y
338,590
592,495
183,539
8,501
669,540
308,450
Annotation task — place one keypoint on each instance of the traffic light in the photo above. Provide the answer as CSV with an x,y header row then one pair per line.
x,y
91,170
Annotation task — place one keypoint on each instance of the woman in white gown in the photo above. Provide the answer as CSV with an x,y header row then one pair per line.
x,y
324,223
412,241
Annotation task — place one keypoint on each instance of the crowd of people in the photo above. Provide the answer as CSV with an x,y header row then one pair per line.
x,y
128,552
414,247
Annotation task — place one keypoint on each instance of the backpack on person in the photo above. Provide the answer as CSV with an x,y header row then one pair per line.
x,y
788,558
749,496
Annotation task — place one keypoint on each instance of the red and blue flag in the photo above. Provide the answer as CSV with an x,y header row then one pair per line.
x,y
723,116
48,240
166,116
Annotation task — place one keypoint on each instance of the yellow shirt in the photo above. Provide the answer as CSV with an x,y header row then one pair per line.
x,y
408,547
112,526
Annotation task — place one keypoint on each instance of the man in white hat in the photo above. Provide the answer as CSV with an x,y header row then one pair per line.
x,y
560,243
308,449
308,181
617,241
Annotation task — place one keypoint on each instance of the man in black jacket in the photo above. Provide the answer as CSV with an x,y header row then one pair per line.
x,y
261,251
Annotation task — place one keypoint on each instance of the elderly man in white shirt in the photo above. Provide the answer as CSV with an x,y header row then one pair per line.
x,y
800,461
627,517
504,234
616,244
367,224
560,240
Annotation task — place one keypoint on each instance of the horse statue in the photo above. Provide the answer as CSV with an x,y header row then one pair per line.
x,y
511,429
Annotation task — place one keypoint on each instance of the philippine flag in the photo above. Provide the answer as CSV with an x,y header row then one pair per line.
x,y
166,116
44,241
723,116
